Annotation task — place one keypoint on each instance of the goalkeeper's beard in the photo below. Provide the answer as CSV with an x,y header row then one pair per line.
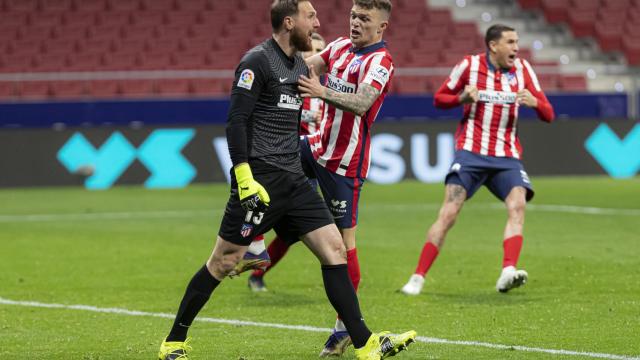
x,y
301,40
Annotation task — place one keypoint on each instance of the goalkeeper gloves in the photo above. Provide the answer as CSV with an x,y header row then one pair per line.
x,y
253,196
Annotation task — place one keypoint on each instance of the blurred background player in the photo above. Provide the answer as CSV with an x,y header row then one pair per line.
x,y
491,86
310,118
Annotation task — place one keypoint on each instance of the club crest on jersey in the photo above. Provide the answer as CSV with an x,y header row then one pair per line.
x,y
339,85
290,102
355,66
246,230
513,81
246,79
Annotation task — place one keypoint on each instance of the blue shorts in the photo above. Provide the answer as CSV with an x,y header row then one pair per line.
x,y
498,174
341,193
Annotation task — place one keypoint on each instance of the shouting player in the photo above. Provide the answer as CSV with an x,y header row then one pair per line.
x,y
491,87
268,186
310,118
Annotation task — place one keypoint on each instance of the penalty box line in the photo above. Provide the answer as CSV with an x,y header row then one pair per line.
x,y
423,339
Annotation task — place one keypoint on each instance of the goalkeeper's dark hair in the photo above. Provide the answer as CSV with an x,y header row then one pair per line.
x,y
280,9
494,33
377,4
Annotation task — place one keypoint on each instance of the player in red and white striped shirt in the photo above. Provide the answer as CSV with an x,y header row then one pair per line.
x,y
491,87
358,74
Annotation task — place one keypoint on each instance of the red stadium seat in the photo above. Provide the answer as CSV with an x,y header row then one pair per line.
x,y
103,88
136,88
59,47
33,89
181,18
609,36
582,22
85,62
68,89
173,87
530,4
7,90
90,5
147,18
159,5
95,47
194,5
141,33
210,87
123,5
585,4
573,83
409,85
631,47
548,82
556,11
156,61
50,63
130,46
119,61
616,4
57,6
113,19
190,61
26,6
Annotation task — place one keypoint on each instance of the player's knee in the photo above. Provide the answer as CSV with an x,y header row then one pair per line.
x,y
337,252
516,208
221,265
448,215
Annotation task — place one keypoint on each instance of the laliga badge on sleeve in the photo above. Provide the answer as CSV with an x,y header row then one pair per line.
x,y
246,79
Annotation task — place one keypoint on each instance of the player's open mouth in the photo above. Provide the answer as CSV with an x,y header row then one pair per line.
x,y
355,32
512,56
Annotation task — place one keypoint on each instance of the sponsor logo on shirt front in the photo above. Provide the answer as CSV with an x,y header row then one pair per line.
x,y
497,97
290,102
340,85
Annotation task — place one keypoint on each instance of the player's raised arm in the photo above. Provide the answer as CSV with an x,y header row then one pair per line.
x,y
317,62
532,95
455,90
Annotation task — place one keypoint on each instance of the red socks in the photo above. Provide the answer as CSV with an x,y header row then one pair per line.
x,y
276,250
353,266
427,257
512,247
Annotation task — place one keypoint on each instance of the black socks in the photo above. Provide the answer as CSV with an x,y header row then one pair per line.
x,y
343,298
197,294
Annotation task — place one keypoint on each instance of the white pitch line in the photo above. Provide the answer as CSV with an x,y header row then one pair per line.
x,y
422,339
172,214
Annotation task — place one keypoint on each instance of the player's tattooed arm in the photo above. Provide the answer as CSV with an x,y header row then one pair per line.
x,y
357,103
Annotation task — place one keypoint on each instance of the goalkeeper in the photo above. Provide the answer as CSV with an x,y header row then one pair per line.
x,y
269,188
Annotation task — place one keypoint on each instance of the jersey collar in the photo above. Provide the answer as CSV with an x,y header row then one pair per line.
x,y
368,49
493,68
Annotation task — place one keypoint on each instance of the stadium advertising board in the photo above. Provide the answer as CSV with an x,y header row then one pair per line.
x,y
99,158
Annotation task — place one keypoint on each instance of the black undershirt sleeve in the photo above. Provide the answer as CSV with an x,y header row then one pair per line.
x,y
249,81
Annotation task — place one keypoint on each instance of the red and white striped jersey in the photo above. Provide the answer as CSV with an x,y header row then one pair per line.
x,y
489,126
344,142
310,108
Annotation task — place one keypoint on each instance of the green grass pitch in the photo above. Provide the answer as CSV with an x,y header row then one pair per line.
x,y
136,249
